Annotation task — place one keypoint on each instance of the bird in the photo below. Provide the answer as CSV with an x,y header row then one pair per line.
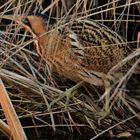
x,y
80,49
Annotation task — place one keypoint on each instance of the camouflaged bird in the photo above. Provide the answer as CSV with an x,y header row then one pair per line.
x,y
80,50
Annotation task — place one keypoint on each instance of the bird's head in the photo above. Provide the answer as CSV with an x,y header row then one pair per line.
x,y
38,23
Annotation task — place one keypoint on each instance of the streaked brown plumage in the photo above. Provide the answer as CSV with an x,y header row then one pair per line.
x,y
80,50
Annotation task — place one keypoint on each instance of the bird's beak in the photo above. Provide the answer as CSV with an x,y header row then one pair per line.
x,y
16,18
21,19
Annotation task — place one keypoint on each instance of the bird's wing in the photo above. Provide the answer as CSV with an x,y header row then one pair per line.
x,y
94,44
91,32
84,34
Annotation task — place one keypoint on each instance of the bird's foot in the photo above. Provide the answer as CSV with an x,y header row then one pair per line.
x,y
69,93
102,115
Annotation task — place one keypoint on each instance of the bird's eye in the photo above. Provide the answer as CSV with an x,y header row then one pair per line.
x,y
26,21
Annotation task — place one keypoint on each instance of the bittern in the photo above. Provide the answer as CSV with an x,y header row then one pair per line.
x,y
80,50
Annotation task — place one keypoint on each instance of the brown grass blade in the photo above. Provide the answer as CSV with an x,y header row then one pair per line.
x,y
10,114
4,128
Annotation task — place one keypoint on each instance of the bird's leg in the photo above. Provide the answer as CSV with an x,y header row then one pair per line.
x,y
106,108
110,81
69,93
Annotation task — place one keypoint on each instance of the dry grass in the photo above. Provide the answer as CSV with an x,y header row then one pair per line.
x,y
32,87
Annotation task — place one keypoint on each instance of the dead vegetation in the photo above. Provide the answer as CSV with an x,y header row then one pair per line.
x,y
32,87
